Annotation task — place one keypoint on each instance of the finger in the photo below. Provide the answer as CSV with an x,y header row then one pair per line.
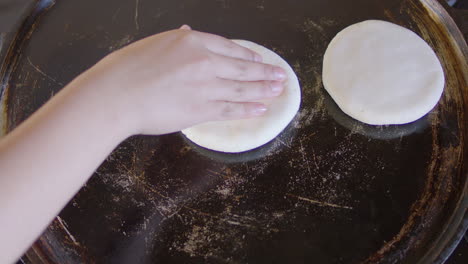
x,y
228,110
187,27
242,70
226,47
238,91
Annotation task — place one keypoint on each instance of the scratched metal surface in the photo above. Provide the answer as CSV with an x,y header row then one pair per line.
x,y
327,190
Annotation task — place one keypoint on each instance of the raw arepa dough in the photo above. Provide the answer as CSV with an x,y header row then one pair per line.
x,y
381,73
246,134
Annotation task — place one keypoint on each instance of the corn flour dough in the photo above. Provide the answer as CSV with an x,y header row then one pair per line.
x,y
246,134
381,73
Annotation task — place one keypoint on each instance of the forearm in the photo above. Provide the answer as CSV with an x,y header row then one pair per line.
x,y
47,159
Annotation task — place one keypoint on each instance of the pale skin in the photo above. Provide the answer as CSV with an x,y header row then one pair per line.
x,y
158,85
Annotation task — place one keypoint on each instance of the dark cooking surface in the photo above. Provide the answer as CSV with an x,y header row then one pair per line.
x,y
328,190
460,255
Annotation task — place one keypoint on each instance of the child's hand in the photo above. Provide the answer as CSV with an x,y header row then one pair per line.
x,y
158,85
176,79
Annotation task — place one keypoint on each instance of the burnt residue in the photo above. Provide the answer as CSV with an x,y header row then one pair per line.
x,y
329,189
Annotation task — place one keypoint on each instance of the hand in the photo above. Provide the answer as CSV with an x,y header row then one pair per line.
x,y
158,85
176,79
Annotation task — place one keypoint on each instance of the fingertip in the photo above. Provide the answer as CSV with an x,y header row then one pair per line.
x,y
280,74
186,27
277,88
258,109
257,57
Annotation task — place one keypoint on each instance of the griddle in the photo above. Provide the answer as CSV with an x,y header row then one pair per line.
x,y
329,189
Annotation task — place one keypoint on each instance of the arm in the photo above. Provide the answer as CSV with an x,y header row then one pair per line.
x,y
158,85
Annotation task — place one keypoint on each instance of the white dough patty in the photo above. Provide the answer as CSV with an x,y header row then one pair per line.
x,y
381,73
246,134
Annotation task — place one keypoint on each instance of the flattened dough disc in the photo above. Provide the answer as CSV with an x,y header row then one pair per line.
x,y
381,73
242,135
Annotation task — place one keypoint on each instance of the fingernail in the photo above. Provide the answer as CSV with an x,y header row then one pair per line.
x,y
257,58
280,74
276,88
259,110
185,27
